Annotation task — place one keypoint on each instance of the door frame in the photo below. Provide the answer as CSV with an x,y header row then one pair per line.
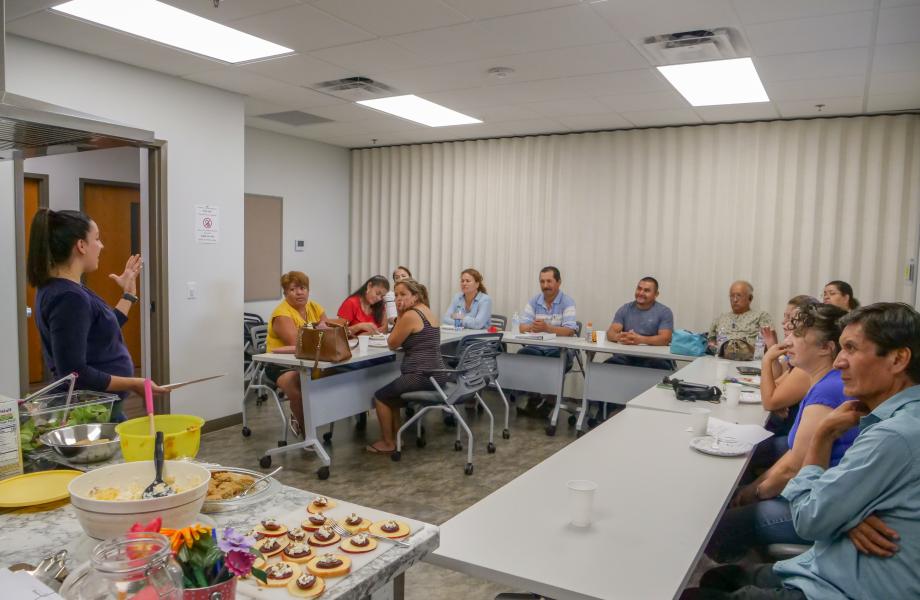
x,y
43,202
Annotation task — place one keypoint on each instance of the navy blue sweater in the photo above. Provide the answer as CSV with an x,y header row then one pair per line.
x,y
81,334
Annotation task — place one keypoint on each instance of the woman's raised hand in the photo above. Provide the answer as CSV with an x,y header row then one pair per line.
x,y
128,279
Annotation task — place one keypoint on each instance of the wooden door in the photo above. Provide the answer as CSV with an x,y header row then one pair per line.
x,y
31,197
116,211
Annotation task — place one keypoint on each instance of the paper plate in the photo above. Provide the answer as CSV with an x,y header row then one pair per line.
x,y
36,488
750,397
707,445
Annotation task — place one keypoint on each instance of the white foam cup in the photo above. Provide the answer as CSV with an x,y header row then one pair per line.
x,y
581,501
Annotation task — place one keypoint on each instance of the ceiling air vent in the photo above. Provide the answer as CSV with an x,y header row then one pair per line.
x,y
294,117
694,46
355,88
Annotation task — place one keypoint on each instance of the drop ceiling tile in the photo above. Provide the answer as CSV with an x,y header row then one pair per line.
x,y
655,118
251,84
457,43
663,100
846,62
753,111
373,56
758,11
257,106
554,28
299,69
896,58
497,114
890,102
898,25
456,132
889,3
392,17
618,83
364,140
342,111
16,9
569,108
230,10
847,30
636,20
484,9
376,125
808,108
56,29
595,122
804,89
896,83
532,126
302,28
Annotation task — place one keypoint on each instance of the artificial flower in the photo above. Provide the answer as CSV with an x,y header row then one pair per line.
x,y
233,540
187,535
239,562
153,526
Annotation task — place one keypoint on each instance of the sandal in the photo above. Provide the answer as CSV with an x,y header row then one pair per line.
x,y
373,449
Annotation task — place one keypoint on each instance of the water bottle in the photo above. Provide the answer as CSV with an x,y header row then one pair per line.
x,y
758,347
721,338
515,324
589,332
458,318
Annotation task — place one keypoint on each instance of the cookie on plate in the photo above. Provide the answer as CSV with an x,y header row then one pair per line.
x,y
306,586
329,565
272,546
324,536
270,528
353,523
297,534
358,544
390,529
315,521
320,504
297,552
280,573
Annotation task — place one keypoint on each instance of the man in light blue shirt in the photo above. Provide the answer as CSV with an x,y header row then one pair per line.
x,y
643,321
863,514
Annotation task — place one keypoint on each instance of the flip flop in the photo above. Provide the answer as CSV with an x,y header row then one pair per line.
x,y
374,450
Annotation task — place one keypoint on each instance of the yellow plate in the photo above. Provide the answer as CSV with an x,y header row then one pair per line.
x,y
36,488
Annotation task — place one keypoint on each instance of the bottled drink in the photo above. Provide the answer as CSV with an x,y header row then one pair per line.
x,y
589,332
515,324
458,318
758,347
721,338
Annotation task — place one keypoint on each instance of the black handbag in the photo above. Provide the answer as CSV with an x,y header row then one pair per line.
x,y
691,392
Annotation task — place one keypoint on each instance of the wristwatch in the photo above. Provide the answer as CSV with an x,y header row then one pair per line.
x,y
129,297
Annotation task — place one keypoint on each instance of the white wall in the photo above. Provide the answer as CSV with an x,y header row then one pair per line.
x,y
204,130
9,306
64,172
313,180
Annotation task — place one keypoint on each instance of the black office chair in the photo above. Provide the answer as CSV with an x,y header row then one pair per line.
x,y
490,364
259,382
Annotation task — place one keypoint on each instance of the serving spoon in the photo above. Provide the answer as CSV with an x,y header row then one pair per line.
x,y
158,488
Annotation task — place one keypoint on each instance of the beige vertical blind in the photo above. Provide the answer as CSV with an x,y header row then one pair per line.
x,y
788,205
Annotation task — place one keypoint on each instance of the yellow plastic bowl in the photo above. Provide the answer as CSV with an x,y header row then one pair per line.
x,y
181,437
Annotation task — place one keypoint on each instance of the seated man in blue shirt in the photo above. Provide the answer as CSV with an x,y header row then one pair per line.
x,y
644,321
863,514
550,311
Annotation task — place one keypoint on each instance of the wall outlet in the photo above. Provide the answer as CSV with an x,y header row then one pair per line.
x,y
298,245
191,290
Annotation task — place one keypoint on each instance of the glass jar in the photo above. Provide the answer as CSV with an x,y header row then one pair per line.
x,y
135,566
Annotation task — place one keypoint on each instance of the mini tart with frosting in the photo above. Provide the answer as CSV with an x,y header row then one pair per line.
x,y
306,586
353,523
390,529
324,536
280,573
256,534
320,504
358,544
315,521
329,565
272,546
297,552
297,534
270,528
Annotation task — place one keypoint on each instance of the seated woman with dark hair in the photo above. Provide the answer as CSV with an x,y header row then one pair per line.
x,y
418,334
758,514
840,293
365,309
292,313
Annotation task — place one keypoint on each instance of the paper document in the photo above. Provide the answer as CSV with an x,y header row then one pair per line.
x,y
22,585
752,434
173,386
536,336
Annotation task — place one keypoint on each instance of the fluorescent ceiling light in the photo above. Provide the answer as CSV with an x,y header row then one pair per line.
x,y
419,110
174,27
732,81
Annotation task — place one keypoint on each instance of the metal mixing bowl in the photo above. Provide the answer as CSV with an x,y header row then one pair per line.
x,y
64,442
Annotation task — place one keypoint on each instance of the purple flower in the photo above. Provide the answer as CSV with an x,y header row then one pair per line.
x,y
239,562
234,541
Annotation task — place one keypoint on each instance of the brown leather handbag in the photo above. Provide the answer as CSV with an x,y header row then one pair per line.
x,y
327,345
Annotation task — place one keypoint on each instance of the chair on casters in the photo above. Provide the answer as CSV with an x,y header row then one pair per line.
x,y
260,383
467,379
249,320
560,401
498,322
490,367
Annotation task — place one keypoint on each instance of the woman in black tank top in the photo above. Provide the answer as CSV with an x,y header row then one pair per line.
x,y
416,331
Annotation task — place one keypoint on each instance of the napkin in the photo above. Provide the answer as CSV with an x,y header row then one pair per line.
x,y
752,434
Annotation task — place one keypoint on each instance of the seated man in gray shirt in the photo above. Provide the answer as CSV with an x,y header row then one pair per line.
x,y
644,321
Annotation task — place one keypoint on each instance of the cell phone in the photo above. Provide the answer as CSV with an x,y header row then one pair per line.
x,y
749,371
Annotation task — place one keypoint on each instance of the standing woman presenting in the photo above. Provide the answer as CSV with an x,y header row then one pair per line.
x,y
79,332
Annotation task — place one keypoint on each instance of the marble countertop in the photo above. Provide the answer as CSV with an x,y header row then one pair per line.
x,y
28,534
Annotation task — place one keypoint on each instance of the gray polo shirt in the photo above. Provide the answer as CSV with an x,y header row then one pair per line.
x,y
644,322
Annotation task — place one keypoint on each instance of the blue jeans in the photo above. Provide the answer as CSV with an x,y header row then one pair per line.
x,y
758,524
641,361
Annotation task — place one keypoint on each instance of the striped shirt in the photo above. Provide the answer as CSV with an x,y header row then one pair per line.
x,y
560,313
422,349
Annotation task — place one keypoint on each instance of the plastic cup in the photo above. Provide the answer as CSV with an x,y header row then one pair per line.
x,y
581,501
699,420
732,394
363,343
721,371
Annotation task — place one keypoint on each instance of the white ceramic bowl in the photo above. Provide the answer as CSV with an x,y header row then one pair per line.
x,y
103,519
